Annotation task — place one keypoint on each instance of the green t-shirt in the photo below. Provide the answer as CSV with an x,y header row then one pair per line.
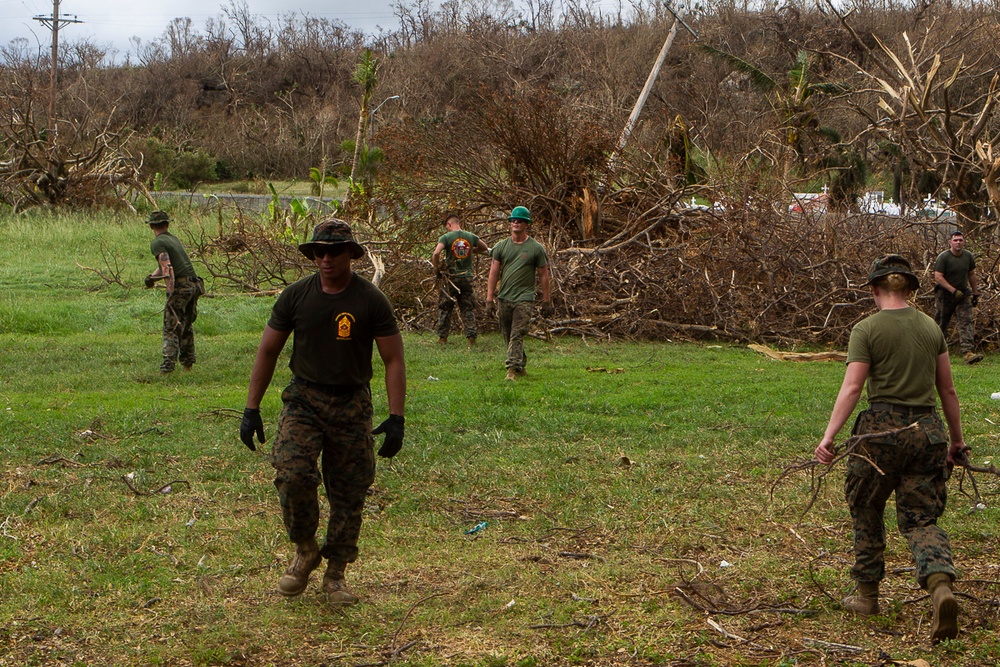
x,y
333,333
458,247
518,262
179,260
901,346
956,270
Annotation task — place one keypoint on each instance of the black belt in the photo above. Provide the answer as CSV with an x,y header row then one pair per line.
x,y
902,409
335,389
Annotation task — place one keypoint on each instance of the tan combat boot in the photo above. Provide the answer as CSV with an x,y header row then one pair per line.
x,y
511,375
296,577
864,601
335,585
972,357
945,624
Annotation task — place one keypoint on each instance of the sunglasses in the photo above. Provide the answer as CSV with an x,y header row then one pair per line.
x,y
320,252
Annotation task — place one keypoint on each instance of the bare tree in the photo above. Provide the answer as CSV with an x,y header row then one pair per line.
x,y
940,109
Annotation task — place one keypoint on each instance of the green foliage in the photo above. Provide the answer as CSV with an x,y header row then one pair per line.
x,y
175,167
366,72
320,180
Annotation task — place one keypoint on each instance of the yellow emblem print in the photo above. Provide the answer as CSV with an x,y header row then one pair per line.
x,y
344,322
461,248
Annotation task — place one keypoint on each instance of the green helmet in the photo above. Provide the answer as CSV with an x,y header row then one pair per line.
x,y
520,213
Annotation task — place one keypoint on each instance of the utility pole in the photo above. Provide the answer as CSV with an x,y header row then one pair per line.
x,y
53,23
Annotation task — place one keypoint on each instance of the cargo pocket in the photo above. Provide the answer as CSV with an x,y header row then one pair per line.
x,y
861,482
935,452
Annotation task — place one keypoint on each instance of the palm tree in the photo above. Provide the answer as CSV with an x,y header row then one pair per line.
x,y
366,76
792,103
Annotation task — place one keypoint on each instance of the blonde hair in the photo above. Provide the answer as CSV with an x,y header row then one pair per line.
x,y
894,282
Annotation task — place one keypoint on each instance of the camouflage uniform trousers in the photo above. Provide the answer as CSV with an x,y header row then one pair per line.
x,y
514,319
457,289
915,467
178,319
945,306
336,429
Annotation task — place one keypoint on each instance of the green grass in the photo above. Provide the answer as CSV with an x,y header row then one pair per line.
x,y
604,492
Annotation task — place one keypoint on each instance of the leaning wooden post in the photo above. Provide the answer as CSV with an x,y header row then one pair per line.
x,y
646,89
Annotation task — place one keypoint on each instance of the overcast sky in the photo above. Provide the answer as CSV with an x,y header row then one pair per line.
x,y
116,21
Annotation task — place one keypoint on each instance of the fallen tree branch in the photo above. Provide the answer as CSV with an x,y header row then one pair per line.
x,y
969,469
849,449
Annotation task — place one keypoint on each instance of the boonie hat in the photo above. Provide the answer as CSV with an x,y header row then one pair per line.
x,y
520,213
158,218
889,264
330,232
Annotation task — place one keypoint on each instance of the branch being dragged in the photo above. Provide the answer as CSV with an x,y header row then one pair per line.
x,y
850,447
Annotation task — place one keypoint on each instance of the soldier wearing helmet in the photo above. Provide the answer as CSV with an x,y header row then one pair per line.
x,y
901,355
517,261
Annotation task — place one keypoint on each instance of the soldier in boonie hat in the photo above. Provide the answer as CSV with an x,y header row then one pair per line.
x,y
332,232
337,318
158,218
183,285
889,264
899,357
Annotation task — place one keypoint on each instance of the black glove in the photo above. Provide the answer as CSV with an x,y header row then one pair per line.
x,y
975,300
149,282
251,424
958,294
547,309
393,429
491,310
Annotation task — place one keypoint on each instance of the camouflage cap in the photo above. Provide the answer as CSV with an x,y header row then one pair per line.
x,y
158,218
330,232
889,264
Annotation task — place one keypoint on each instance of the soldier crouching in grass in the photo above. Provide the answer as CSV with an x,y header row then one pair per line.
x,y
902,355
335,315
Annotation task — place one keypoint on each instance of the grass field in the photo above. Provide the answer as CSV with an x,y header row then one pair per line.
x,y
625,487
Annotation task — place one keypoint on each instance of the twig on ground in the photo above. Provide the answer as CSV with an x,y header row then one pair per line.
x,y
580,556
163,489
221,412
700,567
409,611
812,576
830,646
590,622
55,458
728,635
757,609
